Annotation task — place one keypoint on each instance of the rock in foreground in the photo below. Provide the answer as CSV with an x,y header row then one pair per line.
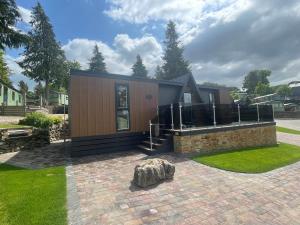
x,y
153,171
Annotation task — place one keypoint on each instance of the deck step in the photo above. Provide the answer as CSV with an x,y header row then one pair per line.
x,y
153,143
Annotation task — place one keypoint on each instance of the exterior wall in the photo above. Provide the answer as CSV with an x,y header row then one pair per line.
x,y
18,101
93,105
58,99
237,138
168,94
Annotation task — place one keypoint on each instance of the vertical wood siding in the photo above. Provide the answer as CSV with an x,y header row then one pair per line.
x,y
93,105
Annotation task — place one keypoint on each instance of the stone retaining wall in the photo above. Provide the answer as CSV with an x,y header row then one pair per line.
x,y
227,138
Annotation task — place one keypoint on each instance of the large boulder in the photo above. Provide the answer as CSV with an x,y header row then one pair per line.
x,y
153,171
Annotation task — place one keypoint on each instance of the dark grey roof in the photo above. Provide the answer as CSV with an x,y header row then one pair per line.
x,y
121,77
182,79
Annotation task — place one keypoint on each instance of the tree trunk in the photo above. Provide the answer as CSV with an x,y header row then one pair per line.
x,y
46,92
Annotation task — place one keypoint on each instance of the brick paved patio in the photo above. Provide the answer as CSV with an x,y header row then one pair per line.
x,y
197,195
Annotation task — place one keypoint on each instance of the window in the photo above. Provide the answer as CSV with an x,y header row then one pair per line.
x,y
187,98
13,95
122,107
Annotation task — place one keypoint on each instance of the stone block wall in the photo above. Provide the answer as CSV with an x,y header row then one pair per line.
x,y
225,139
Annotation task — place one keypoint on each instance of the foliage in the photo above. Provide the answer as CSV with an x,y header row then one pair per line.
x,y
284,90
39,89
235,95
32,197
23,87
253,160
139,69
262,89
287,130
43,56
174,64
4,70
9,15
158,73
40,120
254,77
97,63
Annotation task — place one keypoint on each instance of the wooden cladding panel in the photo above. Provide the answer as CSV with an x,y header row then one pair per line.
x,y
93,105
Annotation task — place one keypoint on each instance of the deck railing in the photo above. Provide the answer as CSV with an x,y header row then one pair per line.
x,y
180,116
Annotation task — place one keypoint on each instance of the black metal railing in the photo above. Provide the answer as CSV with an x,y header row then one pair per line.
x,y
197,115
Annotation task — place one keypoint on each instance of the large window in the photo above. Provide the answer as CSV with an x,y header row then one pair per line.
x,y
187,98
122,107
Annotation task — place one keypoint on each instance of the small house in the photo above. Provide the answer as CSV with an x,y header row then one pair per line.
x,y
111,112
9,96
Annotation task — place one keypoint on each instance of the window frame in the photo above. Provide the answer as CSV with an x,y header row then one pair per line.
x,y
117,109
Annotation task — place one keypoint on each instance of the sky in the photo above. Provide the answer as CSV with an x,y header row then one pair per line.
x,y
223,39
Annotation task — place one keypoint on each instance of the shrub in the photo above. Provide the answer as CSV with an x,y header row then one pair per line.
x,y
40,120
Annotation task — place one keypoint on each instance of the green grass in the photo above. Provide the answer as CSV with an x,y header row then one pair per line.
x,y
11,125
287,130
31,197
253,160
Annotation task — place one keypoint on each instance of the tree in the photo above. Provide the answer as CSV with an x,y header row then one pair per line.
x,y
4,70
262,89
158,73
284,90
23,87
97,63
139,69
9,35
43,56
254,77
62,83
174,64
39,92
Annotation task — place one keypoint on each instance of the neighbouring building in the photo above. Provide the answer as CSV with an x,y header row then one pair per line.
x,y
58,98
9,96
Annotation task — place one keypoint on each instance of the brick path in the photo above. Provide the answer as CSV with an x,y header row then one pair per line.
x,y
293,139
197,195
289,123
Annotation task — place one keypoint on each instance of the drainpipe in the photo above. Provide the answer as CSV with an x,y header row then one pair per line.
x,y
150,134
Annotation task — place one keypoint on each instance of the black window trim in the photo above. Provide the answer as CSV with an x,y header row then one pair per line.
x,y
123,108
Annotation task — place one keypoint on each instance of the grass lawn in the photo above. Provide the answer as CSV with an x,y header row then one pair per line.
x,y
287,130
11,125
253,160
31,197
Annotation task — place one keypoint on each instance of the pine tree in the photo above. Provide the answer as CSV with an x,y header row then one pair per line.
x,y
9,15
43,56
158,73
97,63
23,87
139,69
4,70
174,64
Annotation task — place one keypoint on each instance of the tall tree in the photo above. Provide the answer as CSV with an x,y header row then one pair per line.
x,y
24,89
255,77
39,92
262,89
43,56
174,64
97,63
9,35
4,70
138,68
159,74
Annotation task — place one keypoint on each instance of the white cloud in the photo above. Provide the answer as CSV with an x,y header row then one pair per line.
x,y
25,14
120,57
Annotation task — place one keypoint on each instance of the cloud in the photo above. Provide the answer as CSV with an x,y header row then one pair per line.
x,y
120,56
25,14
16,71
225,39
